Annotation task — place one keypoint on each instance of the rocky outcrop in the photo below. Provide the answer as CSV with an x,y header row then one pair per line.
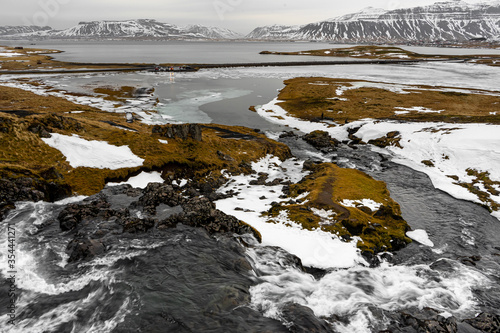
x,y
390,139
302,319
29,189
321,140
98,222
485,322
179,131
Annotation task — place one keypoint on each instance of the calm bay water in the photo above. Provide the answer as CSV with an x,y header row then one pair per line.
x,y
174,51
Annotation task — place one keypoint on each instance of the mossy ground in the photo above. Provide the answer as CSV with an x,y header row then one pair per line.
x,y
327,187
316,98
23,151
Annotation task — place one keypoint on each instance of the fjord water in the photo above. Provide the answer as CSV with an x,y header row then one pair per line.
x,y
174,51
182,280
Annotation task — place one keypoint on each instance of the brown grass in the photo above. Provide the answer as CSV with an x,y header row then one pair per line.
x,y
23,150
305,99
328,186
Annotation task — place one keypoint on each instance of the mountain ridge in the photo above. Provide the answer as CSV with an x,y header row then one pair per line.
x,y
453,20
137,28
445,20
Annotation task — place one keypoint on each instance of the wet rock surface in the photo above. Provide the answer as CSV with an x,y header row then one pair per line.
x,y
321,140
98,222
29,189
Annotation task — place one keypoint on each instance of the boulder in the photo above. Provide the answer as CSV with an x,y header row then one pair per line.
x,y
485,322
179,131
84,249
321,140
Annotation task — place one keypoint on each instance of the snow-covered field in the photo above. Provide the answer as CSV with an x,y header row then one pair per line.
x,y
315,248
453,149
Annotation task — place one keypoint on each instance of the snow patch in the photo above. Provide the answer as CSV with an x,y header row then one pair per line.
x,y
373,205
420,236
316,248
93,154
141,180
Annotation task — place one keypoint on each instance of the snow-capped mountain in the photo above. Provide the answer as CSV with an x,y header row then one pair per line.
x,y
449,20
16,30
144,28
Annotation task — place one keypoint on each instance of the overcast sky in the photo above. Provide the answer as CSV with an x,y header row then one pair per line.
x,y
239,15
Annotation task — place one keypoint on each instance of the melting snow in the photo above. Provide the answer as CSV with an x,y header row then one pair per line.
x,y
315,248
420,236
364,202
141,180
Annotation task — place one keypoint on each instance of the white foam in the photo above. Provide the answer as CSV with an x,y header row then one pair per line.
x,y
352,293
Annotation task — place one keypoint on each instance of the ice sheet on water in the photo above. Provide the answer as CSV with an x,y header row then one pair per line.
x,y
187,108
460,76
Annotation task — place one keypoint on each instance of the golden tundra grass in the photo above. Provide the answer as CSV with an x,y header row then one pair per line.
x,y
22,150
327,187
313,98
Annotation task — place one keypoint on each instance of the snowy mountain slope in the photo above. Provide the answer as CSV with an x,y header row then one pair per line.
x,y
143,28
16,30
451,20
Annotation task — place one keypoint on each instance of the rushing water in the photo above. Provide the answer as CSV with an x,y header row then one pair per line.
x,y
183,280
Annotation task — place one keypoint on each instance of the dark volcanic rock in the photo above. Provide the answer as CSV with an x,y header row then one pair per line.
x,y
155,194
73,214
486,322
136,225
29,189
303,320
5,125
99,221
84,249
425,320
40,130
321,140
201,212
179,131
20,189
